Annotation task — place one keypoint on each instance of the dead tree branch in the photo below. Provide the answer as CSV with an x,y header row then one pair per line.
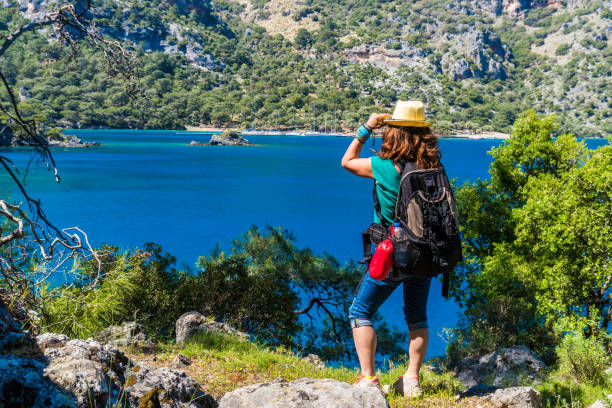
x,y
35,239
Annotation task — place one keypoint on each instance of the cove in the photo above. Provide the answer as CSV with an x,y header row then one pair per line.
x,y
141,186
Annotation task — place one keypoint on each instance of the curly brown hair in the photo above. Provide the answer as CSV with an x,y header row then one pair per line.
x,y
406,143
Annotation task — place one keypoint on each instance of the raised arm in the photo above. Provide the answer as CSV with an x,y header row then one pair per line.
x,y
350,160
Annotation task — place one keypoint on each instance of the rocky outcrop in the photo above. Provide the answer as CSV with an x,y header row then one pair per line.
x,y
514,397
389,59
505,367
481,54
99,375
228,139
471,53
11,333
23,383
180,361
128,334
72,141
460,70
167,387
304,393
191,323
485,46
59,373
316,361
88,370
8,139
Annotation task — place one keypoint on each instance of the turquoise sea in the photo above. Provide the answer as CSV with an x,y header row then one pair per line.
x,y
141,186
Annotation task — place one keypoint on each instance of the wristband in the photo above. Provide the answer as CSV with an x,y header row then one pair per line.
x,y
365,125
363,132
362,139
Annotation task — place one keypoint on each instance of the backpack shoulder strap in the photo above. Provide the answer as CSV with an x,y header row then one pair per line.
x,y
407,166
377,206
445,284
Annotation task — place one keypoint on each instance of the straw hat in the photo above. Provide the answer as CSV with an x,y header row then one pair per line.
x,y
408,113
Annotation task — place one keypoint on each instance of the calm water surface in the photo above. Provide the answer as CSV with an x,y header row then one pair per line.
x,y
144,186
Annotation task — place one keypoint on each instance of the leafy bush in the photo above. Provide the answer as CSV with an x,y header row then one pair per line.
x,y
563,49
584,351
536,240
583,359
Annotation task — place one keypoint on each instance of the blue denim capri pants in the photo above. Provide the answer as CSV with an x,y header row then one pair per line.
x,y
372,293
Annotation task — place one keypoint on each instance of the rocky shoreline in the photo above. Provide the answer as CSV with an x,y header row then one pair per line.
x,y
71,141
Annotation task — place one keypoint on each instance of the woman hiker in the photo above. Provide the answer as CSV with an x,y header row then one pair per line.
x,y
408,137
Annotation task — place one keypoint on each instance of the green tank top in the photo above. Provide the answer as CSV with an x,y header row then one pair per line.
x,y
387,176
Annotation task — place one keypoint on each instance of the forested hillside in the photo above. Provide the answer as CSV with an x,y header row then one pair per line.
x,y
475,63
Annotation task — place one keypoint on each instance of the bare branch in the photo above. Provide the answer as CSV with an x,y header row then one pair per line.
x,y
321,304
35,239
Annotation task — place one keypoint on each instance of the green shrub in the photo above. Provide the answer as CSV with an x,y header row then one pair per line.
x,y
583,353
583,358
82,308
563,49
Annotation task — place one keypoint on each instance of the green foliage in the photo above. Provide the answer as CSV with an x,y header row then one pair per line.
x,y
83,308
557,392
563,49
303,38
583,359
536,238
257,287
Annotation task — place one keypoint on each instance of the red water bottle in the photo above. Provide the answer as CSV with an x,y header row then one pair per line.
x,y
382,261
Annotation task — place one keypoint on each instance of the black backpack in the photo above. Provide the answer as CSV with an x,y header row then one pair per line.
x,y
426,209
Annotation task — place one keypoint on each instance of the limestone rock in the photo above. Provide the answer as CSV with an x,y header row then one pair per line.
x,y
194,143
99,375
128,334
10,333
171,388
23,384
180,360
460,70
72,141
9,139
304,393
84,378
12,324
316,361
193,322
228,139
516,397
85,368
51,340
501,368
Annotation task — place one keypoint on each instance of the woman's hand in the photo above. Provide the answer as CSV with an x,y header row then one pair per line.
x,y
377,120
